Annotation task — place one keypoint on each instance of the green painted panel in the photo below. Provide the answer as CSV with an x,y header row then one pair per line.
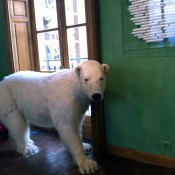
x,y
3,51
140,95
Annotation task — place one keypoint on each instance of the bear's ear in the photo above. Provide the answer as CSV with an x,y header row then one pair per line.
x,y
78,70
105,68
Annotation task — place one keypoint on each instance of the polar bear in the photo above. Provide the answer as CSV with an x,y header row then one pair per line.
x,y
58,100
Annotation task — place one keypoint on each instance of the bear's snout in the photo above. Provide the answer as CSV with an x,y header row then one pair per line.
x,y
96,97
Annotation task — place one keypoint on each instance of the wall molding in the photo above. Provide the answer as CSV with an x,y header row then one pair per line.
x,y
144,157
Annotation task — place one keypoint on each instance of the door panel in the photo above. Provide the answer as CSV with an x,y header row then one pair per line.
x,y
19,8
22,45
20,34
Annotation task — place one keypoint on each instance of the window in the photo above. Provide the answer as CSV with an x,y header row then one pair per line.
x,y
60,33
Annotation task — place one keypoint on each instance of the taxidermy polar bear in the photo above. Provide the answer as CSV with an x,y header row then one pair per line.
x,y
57,100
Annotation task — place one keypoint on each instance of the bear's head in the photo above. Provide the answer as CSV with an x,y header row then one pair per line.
x,y
92,78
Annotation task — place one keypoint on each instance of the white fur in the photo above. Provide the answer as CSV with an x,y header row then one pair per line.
x,y
51,100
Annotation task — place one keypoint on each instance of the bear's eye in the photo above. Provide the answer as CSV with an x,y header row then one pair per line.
x,y
101,78
86,79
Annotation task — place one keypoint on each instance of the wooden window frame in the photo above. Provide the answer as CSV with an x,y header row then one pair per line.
x,y
97,119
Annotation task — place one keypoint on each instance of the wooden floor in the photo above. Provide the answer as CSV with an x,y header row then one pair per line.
x,y
54,159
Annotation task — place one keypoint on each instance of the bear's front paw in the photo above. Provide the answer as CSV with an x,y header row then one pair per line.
x,y
88,166
28,150
31,150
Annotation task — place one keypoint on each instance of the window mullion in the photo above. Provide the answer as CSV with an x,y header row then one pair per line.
x,y
63,33
77,25
34,36
48,30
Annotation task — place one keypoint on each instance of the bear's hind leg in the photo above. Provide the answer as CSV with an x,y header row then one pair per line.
x,y
19,130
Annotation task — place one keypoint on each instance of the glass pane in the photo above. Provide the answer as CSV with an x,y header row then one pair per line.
x,y
88,112
45,14
49,51
77,45
75,12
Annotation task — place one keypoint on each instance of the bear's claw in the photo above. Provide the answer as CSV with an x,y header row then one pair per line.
x,y
88,166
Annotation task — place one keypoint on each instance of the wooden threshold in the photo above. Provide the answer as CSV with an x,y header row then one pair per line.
x,y
149,158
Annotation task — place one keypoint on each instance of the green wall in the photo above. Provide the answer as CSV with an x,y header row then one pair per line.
x,y
140,95
3,51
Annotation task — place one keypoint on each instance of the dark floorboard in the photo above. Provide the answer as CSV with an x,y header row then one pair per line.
x,y
54,159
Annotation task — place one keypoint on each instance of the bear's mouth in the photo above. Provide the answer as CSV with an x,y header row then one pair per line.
x,y
96,97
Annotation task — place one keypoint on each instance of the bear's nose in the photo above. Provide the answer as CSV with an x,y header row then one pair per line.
x,y
96,97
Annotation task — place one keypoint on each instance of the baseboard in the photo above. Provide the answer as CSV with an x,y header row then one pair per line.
x,y
149,158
